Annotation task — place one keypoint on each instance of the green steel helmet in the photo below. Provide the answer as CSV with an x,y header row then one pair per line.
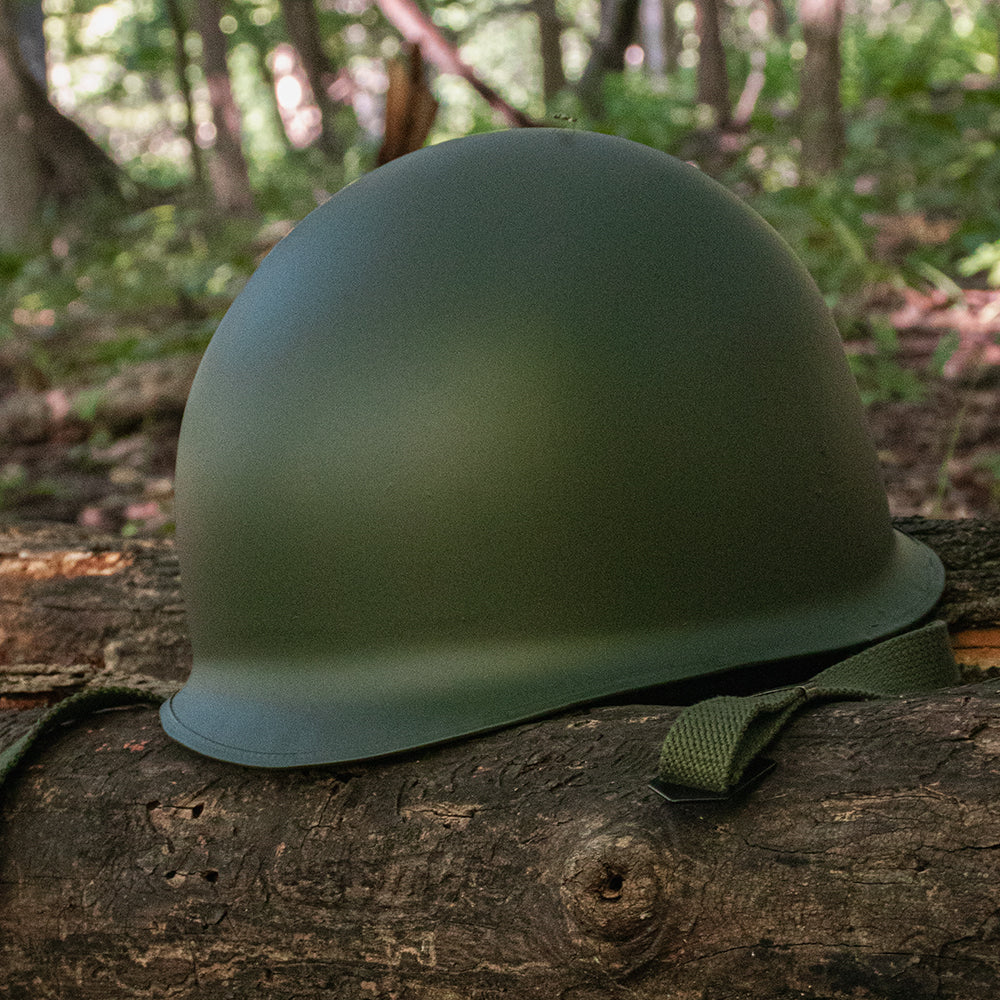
x,y
517,422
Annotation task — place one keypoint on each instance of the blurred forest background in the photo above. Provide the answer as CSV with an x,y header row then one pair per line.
x,y
151,151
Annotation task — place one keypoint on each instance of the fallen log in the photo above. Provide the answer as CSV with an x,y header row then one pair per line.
x,y
81,608
530,862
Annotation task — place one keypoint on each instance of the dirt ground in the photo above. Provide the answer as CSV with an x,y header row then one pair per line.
x,y
940,455
104,458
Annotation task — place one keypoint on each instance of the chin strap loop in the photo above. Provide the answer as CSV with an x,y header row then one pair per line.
x,y
69,710
711,745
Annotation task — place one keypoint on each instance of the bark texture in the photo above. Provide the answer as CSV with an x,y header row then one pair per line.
x,y
410,108
43,153
20,176
228,168
713,77
78,608
530,862
821,117
419,30
178,27
534,862
302,24
672,41
618,23
550,27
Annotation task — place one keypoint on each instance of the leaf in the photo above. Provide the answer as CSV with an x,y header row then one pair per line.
x,y
940,281
986,257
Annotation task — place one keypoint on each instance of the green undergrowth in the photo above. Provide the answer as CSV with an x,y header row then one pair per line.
x,y
114,288
111,290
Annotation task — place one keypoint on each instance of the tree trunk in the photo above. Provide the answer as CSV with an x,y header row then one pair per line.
x,y
821,120
20,174
410,108
414,25
550,46
672,41
652,34
619,21
530,862
302,25
80,608
73,165
713,79
227,169
534,862
181,63
777,17
42,153
28,20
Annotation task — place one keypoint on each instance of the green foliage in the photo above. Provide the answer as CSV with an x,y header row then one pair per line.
x,y
920,141
923,137
17,485
936,152
824,224
879,375
942,353
985,258
87,402
990,463
141,286
659,115
11,265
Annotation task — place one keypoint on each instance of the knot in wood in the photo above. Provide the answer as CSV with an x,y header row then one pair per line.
x,y
611,890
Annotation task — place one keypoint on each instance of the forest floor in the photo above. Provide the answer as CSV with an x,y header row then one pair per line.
x,y
104,457
940,453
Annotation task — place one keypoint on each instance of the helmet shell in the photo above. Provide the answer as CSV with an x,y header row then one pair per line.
x,y
516,422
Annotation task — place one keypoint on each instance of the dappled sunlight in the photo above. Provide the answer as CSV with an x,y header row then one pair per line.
x,y
900,229
299,113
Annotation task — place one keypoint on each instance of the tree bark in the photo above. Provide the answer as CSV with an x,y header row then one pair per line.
x,y
410,108
821,119
303,31
777,16
79,608
181,63
29,23
42,153
529,862
619,22
73,165
713,78
550,47
20,176
672,41
411,22
228,168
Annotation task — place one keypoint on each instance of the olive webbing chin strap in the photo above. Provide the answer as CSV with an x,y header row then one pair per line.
x,y
711,745
69,710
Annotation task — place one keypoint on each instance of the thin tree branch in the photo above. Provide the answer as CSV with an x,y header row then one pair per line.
x,y
417,29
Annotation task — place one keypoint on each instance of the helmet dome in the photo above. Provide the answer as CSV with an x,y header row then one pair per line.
x,y
515,422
